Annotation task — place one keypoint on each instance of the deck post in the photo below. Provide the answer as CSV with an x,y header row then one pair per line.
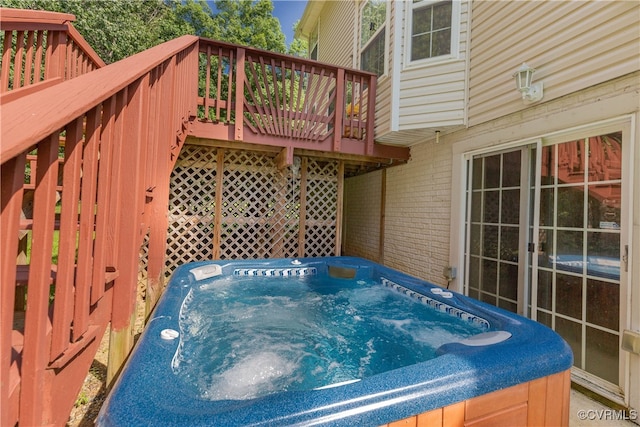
x,y
159,221
338,129
12,182
371,110
131,171
302,228
240,76
217,217
339,207
383,204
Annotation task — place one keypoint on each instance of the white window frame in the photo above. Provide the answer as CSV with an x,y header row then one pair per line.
x,y
454,49
374,36
316,32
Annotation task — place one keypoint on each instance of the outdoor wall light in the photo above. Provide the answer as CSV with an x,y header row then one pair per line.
x,y
531,92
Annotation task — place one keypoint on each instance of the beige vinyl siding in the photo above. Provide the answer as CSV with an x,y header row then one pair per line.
x,y
566,55
433,101
383,107
432,95
336,41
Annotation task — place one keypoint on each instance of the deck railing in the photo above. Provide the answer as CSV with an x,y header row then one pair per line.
x,y
86,155
40,49
262,97
101,148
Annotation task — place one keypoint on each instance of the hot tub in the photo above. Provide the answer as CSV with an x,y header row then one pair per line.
x,y
368,345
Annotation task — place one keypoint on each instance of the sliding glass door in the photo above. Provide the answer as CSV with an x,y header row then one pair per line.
x,y
543,238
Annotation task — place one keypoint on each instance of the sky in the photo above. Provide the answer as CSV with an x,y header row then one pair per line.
x,y
288,12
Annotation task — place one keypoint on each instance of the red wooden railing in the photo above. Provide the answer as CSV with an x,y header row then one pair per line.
x,y
117,129
262,97
86,156
40,49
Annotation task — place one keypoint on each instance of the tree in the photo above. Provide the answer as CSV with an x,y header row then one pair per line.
x,y
197,15
299,47
251,23
116,29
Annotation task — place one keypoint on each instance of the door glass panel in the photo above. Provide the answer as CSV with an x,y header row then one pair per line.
x,y
569,251
492,171
569,295
476,207
546,319
548,167
545,289
511,169
572,334
491,206
605,157
508,276
509,241
601,297
475,239
603,251
490,241
604,206
570,207
510,206
547,206
489,276
476,182
602,354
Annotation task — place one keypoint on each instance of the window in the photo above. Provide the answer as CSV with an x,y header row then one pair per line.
x,y
431,29
313,44
373,36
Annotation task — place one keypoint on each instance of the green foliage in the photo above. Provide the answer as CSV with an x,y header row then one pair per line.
x,y
299,47
115,29
250,23
118,29
82,399
197,15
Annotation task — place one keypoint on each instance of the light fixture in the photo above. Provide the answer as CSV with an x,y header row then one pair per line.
x,y
531,92
437,137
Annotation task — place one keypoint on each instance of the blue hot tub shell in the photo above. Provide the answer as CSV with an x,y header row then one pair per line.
x,y
149,393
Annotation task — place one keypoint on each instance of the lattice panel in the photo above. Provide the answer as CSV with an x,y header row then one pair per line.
x,y
191,207
260,208
322,202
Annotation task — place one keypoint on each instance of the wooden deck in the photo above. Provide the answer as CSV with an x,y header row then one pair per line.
x,y
86,155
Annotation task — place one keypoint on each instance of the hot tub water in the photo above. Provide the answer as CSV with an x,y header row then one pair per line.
x,y
245,337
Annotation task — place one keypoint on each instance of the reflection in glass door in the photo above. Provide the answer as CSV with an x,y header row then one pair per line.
x,y
578,263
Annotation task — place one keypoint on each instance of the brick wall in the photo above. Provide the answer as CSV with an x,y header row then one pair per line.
x,y
417,213
418,203
361,232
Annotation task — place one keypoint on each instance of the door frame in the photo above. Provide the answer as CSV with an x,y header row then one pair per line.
x,y
463,150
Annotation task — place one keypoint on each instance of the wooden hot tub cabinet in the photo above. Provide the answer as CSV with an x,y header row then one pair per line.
x,y
541,402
